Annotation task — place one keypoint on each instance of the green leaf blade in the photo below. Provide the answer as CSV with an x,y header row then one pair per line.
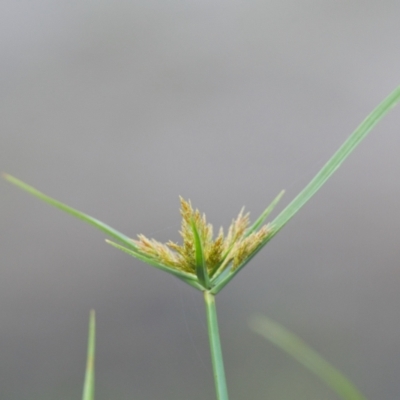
x,y
322,176
305,355
337,159
78,214
88,386
201,266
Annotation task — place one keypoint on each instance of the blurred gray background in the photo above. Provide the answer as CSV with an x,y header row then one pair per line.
x,y
119,107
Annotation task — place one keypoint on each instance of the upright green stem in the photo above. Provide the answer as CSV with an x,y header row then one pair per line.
x,y
215,346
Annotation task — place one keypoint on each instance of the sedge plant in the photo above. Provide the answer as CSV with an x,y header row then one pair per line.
x,y
208,262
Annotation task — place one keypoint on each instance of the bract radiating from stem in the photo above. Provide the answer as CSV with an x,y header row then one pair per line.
x,y
322,176
201,265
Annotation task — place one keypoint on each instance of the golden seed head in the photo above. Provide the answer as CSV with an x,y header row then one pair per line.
x,y
233,248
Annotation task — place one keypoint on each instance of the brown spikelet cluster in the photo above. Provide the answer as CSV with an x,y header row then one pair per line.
x,y
233,248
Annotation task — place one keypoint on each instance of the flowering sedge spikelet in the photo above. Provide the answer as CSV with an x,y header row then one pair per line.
x,y
234,248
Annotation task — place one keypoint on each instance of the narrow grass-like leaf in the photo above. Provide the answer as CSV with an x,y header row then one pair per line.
x,y
201,267
88,387
305,355
261,219
322,176
337,159
78,214
185,276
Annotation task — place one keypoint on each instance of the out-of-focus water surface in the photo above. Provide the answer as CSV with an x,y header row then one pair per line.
x,y
119,107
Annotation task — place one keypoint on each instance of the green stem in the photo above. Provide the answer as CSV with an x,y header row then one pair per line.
x,y
215,346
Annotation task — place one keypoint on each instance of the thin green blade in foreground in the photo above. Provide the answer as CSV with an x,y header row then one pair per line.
x,y
322,176
78,214
201,268
294,346
88,387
